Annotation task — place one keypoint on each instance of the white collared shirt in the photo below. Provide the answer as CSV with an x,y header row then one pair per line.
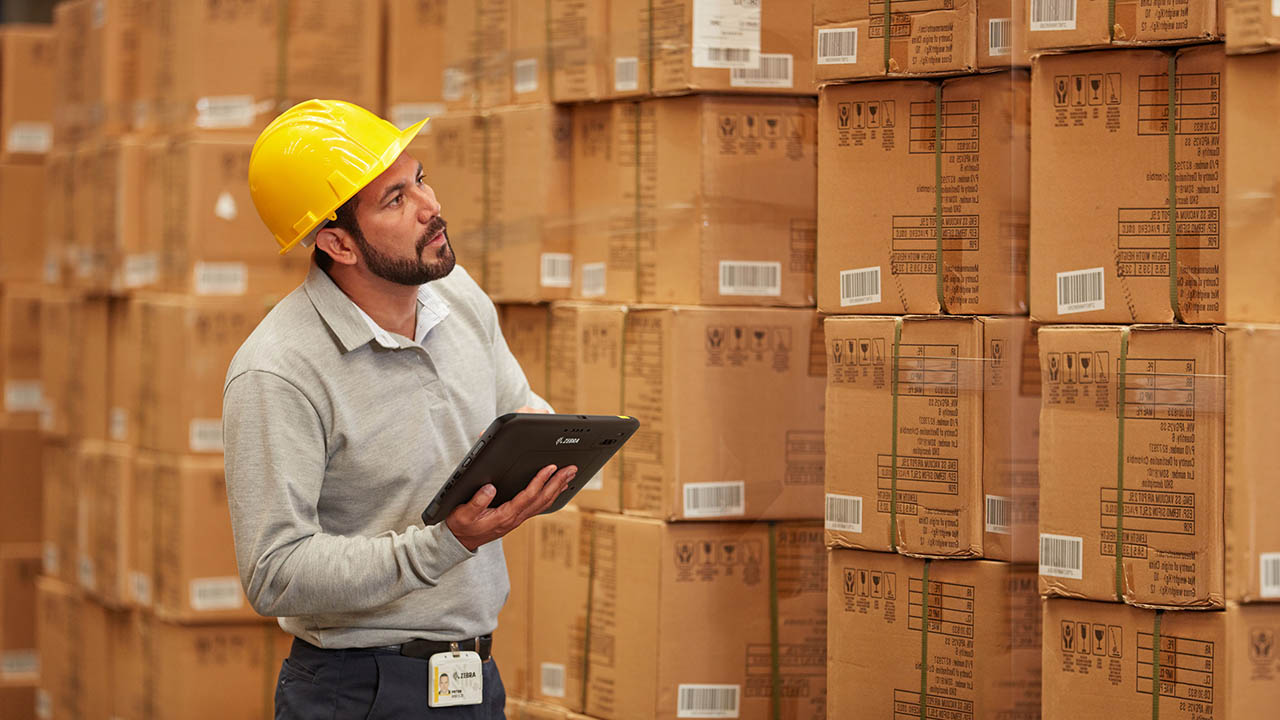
x,y
431,310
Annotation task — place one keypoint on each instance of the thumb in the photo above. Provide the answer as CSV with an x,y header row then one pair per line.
x,y
483,497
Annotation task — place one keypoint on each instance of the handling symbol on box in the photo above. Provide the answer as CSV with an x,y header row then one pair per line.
x,y
1115,634
844,115
1113,88
864,351
877,584
837,351
1086,367
772,126
877,351
1099,639
873,114
1083,644
1068,636
1060,91
887,106
1053,367
1101,360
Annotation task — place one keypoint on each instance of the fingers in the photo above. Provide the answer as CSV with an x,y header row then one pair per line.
x,y
552,489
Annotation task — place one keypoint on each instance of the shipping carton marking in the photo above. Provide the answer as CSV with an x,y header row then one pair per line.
x,y
951,608
1160,389
1197,103
1143,236
924,475
923,372
906,706
1186,667
959,127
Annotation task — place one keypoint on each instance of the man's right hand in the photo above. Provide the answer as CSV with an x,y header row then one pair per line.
x,y
475,523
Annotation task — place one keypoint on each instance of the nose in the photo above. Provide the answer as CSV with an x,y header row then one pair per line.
x,y
428,205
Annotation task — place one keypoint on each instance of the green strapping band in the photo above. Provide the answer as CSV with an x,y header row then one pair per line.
x,y
887,26
937,193
775,671
1155,665
622,399
1120,398
586,630
1173,188
550,57
924,641
1111,20
893,441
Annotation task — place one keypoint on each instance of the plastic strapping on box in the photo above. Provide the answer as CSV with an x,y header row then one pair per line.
x,y
1173,187
893,439
1155,665
1120,399
775,674
1111,20
887,27
586,629
937,193
924,640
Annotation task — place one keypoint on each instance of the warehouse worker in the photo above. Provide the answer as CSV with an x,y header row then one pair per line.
x,y
343,413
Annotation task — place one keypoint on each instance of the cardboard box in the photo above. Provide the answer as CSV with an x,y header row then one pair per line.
x,y
1250,27
104,484
77,80
89,369
415,60
628,65
586,353
1166,439
56,361
560,578
21,476
124,335
653,652
878,196
458,176
1099,661
60,513
965,409
977,657
530,53
712,203
142,532
27,59
1103,115
196,577
477,56
578,36
710,444
187,346
117,26
529,204
526,329
59,630
1252,484
20,358
18,702
522,710
511,639
131,247
1073,25
19,568
58,217
1253,173
22,237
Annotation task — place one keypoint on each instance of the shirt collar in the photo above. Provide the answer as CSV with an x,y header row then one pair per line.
x,y
352,326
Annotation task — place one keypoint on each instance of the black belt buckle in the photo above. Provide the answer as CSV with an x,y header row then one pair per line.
x,y
424,649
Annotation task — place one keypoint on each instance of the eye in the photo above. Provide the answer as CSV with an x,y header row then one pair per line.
x,y
395,201
422,179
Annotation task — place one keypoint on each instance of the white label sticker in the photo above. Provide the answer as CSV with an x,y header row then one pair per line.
x,y
119,422
206,435
999,36
557,270
1269,574
726,33
44,705
141,584
1053,15
221,278
774,72
844,513
998,508
216,593
50,558
29,137
451,88
708,701
526,75
596,482
52,271
626,74
743,277
18,664
859,287
593,280
1275,8
141,269
225,111
552,679
86,573
1081,291
225,207
718,499
1061,556
838,46
47,419
23,396
406,115
99,13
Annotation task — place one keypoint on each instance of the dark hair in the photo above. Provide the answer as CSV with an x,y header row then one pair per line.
x,y
346,221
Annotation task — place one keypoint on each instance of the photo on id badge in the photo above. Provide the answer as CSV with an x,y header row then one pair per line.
x,y
456,679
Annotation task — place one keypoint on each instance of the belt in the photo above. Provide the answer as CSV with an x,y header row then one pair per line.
x,y
424,649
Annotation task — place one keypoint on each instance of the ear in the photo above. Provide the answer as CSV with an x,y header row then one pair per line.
x,y
339,244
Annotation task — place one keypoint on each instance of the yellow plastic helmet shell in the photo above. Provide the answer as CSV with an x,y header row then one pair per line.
x,y
313,158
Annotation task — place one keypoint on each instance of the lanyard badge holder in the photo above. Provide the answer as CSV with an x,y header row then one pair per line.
x,y
456,678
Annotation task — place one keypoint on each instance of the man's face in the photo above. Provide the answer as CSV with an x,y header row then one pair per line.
x,y
401,233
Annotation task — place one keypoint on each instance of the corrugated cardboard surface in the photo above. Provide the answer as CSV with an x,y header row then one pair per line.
x,y
530,53
676,608
1090,23
711,444
1252,483
1251,26
1100,658
20,485
578,35
1252,177
978,659
1172,460
966,423
59,511
511,639
18,701
478,70
604,201
526,328
558,592
22,203
124,335
20,355
1103,115
415,47
457,174
27,59
19,567
926,37
104,489
878,196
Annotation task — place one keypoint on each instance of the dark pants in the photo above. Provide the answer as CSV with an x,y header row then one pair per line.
x,y
370,685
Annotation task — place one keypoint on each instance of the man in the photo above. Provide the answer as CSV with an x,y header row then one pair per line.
x,y
343,413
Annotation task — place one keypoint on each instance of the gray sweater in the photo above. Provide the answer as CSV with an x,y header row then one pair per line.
x,y
336,438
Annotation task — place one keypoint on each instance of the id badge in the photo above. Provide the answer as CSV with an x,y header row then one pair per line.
x,y
456,679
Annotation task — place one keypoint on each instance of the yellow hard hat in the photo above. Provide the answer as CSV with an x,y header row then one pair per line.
x,y
313,158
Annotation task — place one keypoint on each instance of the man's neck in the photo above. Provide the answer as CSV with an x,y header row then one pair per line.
x,y
392,305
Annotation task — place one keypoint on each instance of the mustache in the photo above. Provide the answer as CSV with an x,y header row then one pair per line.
x,y
435,226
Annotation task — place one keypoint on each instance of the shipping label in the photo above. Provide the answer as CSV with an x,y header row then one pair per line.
x,y
726,33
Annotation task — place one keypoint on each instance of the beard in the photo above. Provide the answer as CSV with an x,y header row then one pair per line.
x,y
419,270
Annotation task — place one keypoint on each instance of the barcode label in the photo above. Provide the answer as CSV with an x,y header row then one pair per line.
x,y
838,47
49,558
221,278
16,664
1060,556
844,512
999,36
205,435
726,33
557,270
998,514
141,584
406,115
526,75
29,137
718,499
52,270
1080,291
708,701
225,208
23,396
216,593
119,422
774,72
626,74
1275,8
553,679
141,269
85,571
1053,15
593,280
731,57
859,287
225,111
44,705
451,84
740,277
1269,574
